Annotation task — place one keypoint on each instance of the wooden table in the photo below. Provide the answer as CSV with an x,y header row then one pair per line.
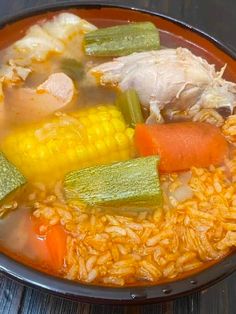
x,y
217,17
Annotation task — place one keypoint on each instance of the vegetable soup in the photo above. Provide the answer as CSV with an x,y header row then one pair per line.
x,y
117,151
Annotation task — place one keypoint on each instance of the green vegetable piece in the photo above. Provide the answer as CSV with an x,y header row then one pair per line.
x,y
129,104
122,40
128,184
10,178
72,68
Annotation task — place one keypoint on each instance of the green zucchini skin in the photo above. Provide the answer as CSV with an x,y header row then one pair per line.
x,y
122,40
10,178
132,184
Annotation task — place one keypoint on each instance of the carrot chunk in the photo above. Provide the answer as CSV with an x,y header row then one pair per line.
x,y
49,245
36,241
182,145
56,244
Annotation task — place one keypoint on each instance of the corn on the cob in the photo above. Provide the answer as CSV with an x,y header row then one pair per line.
x,y
88,137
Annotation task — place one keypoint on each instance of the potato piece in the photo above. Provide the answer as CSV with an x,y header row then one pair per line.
x,y
26,104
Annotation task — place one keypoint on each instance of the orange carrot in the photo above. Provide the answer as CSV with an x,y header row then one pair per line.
x,y
36,241
56,244
182,145
50,245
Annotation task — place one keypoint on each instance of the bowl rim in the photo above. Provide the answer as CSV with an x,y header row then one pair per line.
x,y
37,10
105,294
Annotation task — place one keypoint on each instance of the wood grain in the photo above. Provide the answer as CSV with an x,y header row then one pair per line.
x,y
218,18
14,298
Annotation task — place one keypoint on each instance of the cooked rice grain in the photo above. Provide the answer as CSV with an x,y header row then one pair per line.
x,y
146,247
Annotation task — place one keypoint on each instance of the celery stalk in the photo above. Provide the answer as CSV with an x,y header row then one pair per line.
x,y
122,40
72,68
128,184
129,104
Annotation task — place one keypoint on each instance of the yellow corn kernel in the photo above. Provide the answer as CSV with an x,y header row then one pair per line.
x,y
103,116
122,140
115,113
111,144
84,120
81,152
92,118
130,133
92,151
115,157
118,124
101,147
107,127
49,149
124,154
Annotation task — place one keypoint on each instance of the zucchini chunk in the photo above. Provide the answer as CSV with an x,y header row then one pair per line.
x,y
129,184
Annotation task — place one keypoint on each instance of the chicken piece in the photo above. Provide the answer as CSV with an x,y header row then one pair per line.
x,y
49,37
12,73
32,104
60,86
35,45
66,25
172,79
9,74
63,34
216,103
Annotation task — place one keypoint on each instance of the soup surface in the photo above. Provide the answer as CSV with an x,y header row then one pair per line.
x,y
114,171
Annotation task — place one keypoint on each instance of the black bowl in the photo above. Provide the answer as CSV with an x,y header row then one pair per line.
x,y
129,295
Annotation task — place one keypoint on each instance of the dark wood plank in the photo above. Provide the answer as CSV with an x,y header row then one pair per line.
x,y
219,299
210,16
37,302
10,296
164,308
187,305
